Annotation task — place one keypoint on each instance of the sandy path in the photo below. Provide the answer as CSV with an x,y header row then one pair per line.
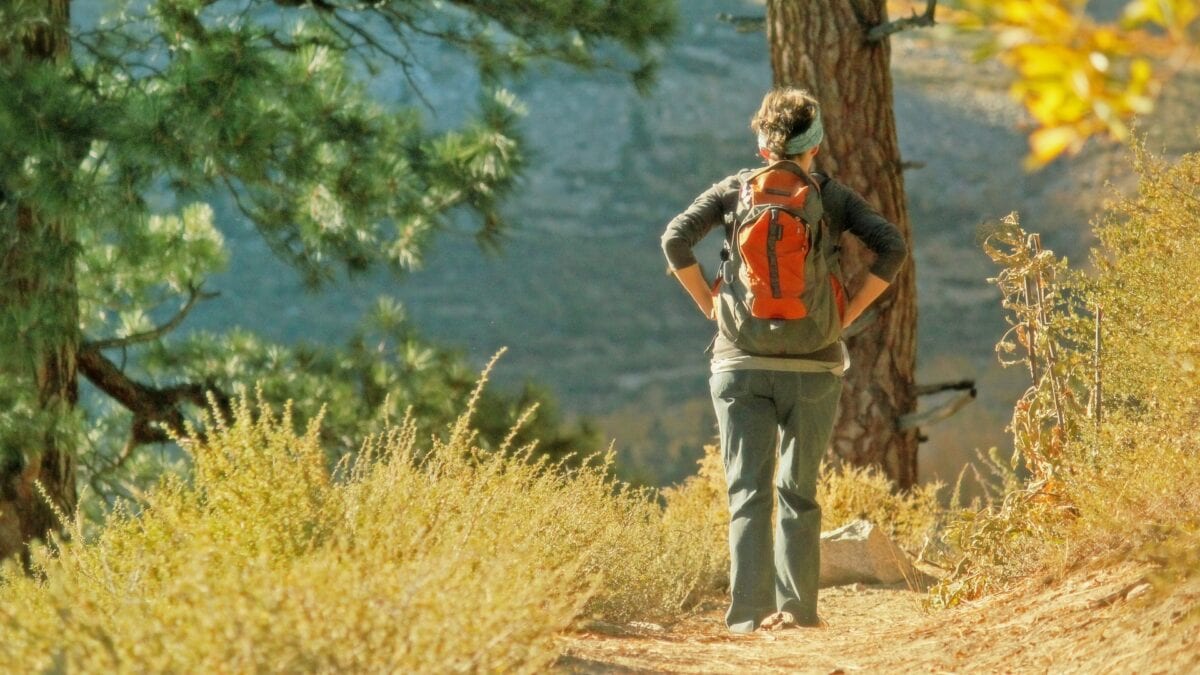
x,y
1087,623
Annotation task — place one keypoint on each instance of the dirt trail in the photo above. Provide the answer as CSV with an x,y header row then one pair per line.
x,y
1099,620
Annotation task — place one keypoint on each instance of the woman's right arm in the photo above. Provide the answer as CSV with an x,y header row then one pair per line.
x,y
687,229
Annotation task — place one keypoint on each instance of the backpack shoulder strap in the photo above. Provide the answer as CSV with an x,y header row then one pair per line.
x,y
830,230
822,179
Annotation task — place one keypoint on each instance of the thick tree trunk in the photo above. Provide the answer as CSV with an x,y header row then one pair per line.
x,y
40,335
823,47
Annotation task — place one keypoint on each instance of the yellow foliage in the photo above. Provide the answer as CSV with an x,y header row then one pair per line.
x,y
1174,15
1078,78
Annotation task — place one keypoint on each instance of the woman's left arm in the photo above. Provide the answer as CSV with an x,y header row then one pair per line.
x,y
877,234
871,289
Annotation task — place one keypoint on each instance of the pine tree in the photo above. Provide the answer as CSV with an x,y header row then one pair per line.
x,y
825,48
265,104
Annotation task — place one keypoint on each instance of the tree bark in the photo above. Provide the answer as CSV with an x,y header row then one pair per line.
x,y
40,339
823,47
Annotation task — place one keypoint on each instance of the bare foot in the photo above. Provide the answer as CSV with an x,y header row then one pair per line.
x,y
778,621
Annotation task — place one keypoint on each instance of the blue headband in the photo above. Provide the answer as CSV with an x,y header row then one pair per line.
x,y
801,142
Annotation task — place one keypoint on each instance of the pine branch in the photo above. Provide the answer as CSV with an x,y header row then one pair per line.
x,y
884,30
156,412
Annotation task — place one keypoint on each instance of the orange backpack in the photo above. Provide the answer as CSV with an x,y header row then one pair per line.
x,y
782,294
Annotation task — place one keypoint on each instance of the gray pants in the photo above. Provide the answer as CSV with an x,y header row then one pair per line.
x,y
759,411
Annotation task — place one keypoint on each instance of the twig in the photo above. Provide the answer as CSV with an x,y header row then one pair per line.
x,y
1098,407
743,24
1117,595
369,38
1185,193
1029,293
1035,246
194,296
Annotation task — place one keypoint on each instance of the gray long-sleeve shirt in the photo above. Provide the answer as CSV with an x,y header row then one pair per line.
x,y
845,211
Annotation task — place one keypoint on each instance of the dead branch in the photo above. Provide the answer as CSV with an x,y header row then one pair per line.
x,y
744,24
960,385
941,412
884,30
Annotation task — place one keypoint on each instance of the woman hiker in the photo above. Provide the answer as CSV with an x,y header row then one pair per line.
x,y
772,392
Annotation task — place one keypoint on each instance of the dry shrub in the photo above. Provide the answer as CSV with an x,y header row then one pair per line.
x,y
1115,471
698,509
1135,477
413,558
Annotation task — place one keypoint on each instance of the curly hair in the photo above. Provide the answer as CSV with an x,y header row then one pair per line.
x,y
785,112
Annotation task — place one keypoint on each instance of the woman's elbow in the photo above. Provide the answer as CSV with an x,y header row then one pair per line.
x,y
677,251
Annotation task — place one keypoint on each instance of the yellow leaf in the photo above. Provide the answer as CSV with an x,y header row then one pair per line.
x,y
1174,15
1140,72
1038,61
1143,11
1049,143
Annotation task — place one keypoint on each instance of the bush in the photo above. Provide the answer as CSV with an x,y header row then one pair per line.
x,y
699,508
851,493
415,557
1107,432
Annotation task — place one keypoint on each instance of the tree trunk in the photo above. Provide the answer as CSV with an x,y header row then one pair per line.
x,y
39,339
822,47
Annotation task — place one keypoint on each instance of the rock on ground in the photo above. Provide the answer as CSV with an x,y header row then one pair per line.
x,y
859,552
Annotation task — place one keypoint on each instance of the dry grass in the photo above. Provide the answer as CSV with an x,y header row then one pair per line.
x,y
849,493
419,556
